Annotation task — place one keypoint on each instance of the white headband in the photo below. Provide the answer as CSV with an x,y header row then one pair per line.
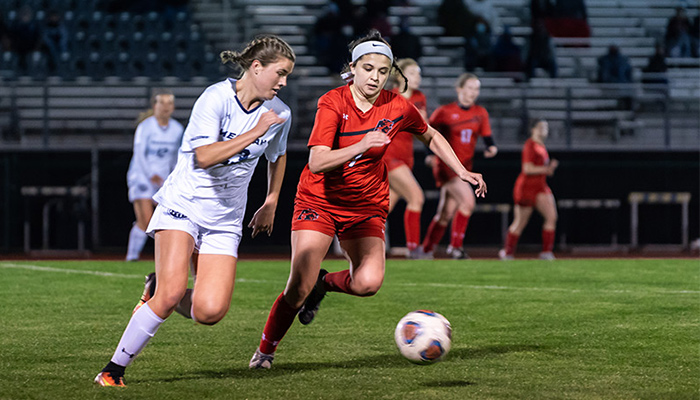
x,y
371,47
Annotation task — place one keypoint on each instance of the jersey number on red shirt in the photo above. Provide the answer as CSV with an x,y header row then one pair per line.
x,y
466,135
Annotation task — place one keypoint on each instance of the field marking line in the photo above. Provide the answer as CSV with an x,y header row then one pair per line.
x,y
536,289
410,284
68,271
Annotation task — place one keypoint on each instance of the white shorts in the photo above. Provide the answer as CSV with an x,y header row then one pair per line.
x,y
206,241
141,190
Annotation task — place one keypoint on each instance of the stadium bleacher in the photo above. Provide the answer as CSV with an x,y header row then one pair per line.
x,y
142,50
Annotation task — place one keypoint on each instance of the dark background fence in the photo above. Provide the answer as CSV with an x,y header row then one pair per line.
x,y
582,175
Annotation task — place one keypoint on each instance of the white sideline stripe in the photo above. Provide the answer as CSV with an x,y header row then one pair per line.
x,y
442,285
68,271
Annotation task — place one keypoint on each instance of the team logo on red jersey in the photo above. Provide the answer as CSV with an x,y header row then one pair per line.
x,y
308,215
384,125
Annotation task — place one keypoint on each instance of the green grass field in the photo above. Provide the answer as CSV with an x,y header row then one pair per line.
x,y
569,329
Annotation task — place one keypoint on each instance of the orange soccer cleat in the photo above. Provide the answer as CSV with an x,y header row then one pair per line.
x,y
107,379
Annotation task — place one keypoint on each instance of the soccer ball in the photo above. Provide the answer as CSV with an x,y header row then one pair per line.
x,y
423,336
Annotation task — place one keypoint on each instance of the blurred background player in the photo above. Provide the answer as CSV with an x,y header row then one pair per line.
x,y
531,190
344,190
156,143
399,160
462,123
201,206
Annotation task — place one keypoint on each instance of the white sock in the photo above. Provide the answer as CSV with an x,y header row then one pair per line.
x,y
142,326
137,239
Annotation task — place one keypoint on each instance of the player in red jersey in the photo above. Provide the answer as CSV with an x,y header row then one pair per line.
x,y
344,190
531,191
462,123
399,161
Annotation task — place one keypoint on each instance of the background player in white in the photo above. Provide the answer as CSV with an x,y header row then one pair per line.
x,y
202,203
156,143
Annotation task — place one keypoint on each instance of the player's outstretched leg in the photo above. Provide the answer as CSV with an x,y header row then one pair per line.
x,y
310,308
143,324
149,289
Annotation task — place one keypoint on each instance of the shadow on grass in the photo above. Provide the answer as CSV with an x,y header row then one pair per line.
x,y
284,367
385,361
493,351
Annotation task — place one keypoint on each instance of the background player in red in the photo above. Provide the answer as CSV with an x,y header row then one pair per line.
x,y
461,122
531,190
399,160
344,190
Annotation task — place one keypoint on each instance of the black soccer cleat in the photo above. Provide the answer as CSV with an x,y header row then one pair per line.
x,y
310,308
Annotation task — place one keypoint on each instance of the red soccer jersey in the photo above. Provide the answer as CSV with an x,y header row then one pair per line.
x,y
461,127
401,147
359,186
536,154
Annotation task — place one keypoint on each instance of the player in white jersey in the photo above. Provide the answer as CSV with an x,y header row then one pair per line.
x,y
201,204
156,143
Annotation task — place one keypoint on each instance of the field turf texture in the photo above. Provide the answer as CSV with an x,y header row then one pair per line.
x,y
526,329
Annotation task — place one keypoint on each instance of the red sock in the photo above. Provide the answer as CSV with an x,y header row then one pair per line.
x,y
511,243
411,224
278,323
547,240
338,281
459,227
433,236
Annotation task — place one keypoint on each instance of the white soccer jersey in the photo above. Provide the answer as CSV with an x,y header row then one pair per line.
x,y
155,153
215,197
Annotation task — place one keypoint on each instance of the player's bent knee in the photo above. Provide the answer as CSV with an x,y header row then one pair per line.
x,y
208,315
365,291
416,203
366,287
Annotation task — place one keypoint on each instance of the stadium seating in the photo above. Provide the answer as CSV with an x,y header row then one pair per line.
x,y
144,48
100,42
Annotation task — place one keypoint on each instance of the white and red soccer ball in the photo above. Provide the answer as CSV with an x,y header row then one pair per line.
x,y
423,336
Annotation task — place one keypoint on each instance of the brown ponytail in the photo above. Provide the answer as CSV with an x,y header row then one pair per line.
x,y
265,48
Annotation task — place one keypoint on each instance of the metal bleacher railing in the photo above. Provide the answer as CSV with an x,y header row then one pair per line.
x,y
582,115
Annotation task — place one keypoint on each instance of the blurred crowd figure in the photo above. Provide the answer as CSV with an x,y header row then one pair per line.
x,y
484,10
656,66
540,52
681,35
344,20
55,38
614,67
506,55
563,18
405,44
490,45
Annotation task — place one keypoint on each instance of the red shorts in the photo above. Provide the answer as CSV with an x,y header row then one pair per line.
x,y
526,196
346,226
442,173
393,163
